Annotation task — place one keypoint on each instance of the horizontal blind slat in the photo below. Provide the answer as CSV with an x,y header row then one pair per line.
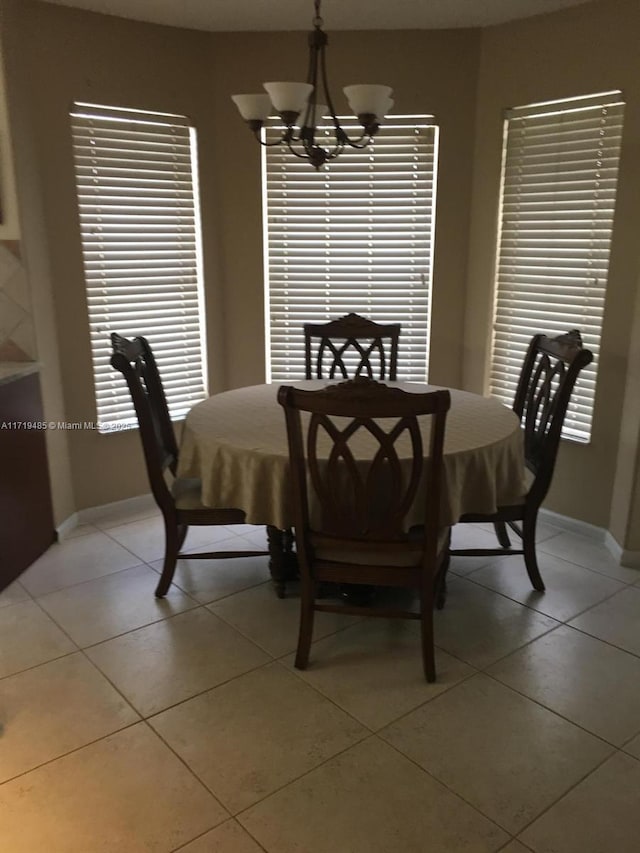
x,y
357,236
560,170
138,221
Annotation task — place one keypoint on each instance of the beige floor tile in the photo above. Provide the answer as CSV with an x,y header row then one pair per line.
x,y
508,757
254,734
127,792
75,561
515,847
255,533
146,539
570,589
209,580
103,608
471,536
616,620
172,660
229,837
480,626
544,530
374,670
28,637
272,622
370,799
633,747
79,530
591,683
588,553
54,708
12,594
601,815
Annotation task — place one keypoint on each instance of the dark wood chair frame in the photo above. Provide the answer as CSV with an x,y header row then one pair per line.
x,y
549,372
352,333
347,493
134,359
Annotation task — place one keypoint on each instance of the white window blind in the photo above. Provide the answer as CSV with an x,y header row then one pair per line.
x,y
355,236
560,170
139,220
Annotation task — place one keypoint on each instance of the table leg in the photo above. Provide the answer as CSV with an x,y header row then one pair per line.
x,y
283,564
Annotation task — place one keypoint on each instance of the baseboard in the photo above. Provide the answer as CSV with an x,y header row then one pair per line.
x,y
64,528
573,525
97,513
129,505
631,559
563,522
625,558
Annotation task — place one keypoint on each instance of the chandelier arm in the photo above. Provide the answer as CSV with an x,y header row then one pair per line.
x,y
287,137
355,143
306,120
295,153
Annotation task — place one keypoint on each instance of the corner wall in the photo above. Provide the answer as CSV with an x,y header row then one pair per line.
x,y
588,49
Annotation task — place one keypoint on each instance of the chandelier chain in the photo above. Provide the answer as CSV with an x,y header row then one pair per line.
x,y
317,19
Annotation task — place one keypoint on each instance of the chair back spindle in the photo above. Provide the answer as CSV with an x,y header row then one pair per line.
x,y
351,347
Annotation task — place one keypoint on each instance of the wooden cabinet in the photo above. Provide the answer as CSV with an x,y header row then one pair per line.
x,y
26,517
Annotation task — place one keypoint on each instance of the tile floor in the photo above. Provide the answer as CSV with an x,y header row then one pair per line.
x,y
132,724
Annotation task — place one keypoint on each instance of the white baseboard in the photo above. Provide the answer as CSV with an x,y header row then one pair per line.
x,y
625,558
631,559
563,522
90,515
573,525
129,505
64,529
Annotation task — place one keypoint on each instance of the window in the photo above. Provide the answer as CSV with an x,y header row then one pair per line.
x,y
139,223
560,170
355,236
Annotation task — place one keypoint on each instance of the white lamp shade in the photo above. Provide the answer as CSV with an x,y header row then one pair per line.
x,y
366,98
289,97
387,107
253,107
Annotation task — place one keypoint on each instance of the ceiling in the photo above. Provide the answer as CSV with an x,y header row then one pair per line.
x,y
262,15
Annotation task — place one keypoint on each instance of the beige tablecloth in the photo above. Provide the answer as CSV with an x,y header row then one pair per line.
x,y
236,443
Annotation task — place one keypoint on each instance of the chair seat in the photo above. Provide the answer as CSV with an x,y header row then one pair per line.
x,y
373,557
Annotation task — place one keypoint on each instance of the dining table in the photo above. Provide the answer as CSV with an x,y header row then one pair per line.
x,y
235,443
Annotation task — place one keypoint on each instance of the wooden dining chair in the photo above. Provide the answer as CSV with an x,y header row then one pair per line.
x,y
180,503
351,346
352,489
548,375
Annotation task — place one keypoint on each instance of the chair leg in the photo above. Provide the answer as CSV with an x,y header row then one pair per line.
x,y
183,529
172,537
426,626
307,596
529,548
440,581
501,532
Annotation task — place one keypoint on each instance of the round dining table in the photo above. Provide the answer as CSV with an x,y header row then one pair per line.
x,y
235,442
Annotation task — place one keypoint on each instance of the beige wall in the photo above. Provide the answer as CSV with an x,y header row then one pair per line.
x,y
112,61
61,55
25,219
591,48
465,77
429,72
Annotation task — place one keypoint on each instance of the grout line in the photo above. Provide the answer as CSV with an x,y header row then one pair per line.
x,y
470,578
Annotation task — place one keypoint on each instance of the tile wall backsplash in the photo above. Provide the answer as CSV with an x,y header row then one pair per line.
x,y
17,338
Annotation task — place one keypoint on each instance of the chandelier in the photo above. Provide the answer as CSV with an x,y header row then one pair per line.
x,y
301,106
